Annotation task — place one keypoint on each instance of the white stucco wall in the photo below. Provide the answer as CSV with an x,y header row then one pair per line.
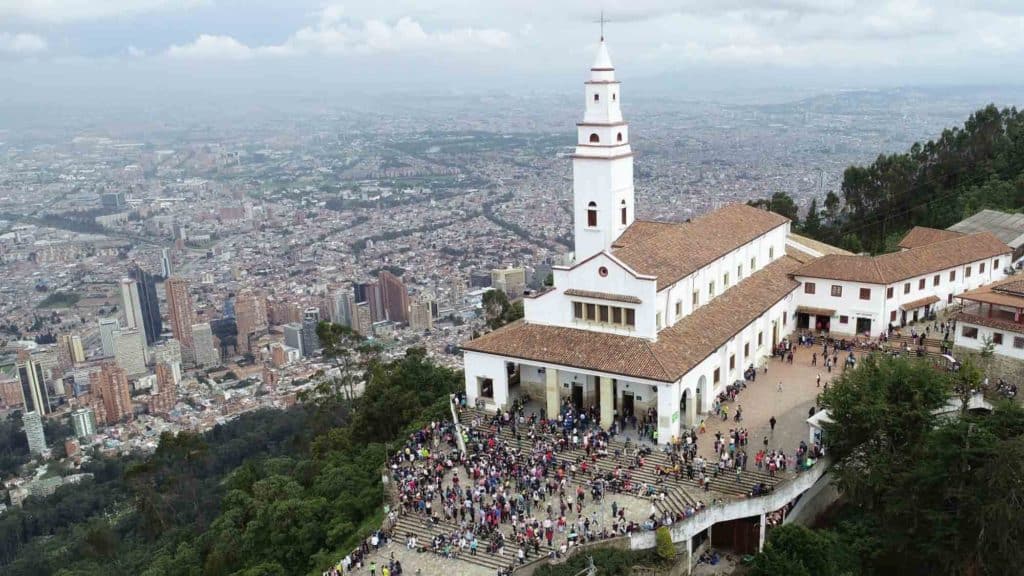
x,y
477,365
984,332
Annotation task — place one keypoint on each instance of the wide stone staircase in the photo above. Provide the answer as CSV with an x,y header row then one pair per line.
x,y
425,531
680,493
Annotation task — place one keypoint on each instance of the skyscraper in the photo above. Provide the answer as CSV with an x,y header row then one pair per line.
x,y
165,263
149,304
362,319
130,351
420,317
130,303
83,421
33,424
113,390
33,385
251,319
69,350
169,352
395,297
293,336
370,292
341,312
179,312
166,394
204,351
310,340
511,281
107,328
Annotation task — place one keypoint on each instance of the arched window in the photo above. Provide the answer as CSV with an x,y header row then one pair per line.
x,y
618,138
596,98
623,212
592,214
594,139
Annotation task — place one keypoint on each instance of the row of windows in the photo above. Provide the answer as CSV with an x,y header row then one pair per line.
x,y
997,337
732,358
597,97
601,314
865,293
837,290
592,214
595,139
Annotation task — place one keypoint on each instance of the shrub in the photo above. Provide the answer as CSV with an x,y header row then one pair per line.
x,y
665,548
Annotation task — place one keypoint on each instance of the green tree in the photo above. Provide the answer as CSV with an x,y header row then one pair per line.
x,y
812,223
663,540
780,203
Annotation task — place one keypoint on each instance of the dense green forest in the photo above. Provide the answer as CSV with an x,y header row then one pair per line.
x,y
935,184
921,494
270,493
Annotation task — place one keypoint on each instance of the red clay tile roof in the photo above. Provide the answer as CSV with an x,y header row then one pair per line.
x,y
890,268
678,348
672,251
1007,292
602,296
921,235
920,302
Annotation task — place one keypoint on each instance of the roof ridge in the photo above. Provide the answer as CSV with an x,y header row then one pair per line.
x,y
657,360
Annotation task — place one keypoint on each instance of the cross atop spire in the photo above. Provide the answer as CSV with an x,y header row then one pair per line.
x,y
602,20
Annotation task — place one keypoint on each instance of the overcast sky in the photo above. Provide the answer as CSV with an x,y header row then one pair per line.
x,y
69,47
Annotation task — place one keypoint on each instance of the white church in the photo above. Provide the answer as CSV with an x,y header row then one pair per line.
x,y
657,315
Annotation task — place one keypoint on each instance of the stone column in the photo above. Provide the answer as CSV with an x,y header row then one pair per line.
x,y
551,392
760,537
691,407
607,403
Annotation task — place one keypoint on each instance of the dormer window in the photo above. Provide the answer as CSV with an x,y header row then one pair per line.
x,y
592,214
594,139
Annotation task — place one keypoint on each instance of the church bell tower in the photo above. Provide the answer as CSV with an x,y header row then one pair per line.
x,y
602,166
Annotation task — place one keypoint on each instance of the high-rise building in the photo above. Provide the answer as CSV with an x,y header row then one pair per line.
x,y
341,311
169,352
293,336
33,384
395,297
251,319
179,312
114,393
370,292
165,396
130,303
457,290
107,328
33,424
83,421
130,351
165,263
512,281
205,351
362,321
149,304
420,317
69,350
310,340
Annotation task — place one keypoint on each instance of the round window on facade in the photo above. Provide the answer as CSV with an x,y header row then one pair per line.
x,y
602,271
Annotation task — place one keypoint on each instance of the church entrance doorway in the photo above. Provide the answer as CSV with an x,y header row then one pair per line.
x,y
577,396
627,404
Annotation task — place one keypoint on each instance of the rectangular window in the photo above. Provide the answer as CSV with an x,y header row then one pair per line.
x,y
616,315
809,287
981,268
949,299
967,272
696,298
711,289
995,264
888,292
718,375
725,280
952,275
892,316
970,332
592,312
753,264
771,252
935,280
602,313
679,308
837,291
577,310
746,350
760,339
630,317
732,362
865,293
906,287
739,271
1018,342
657,320
997,337
785,318
920,284
844,319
